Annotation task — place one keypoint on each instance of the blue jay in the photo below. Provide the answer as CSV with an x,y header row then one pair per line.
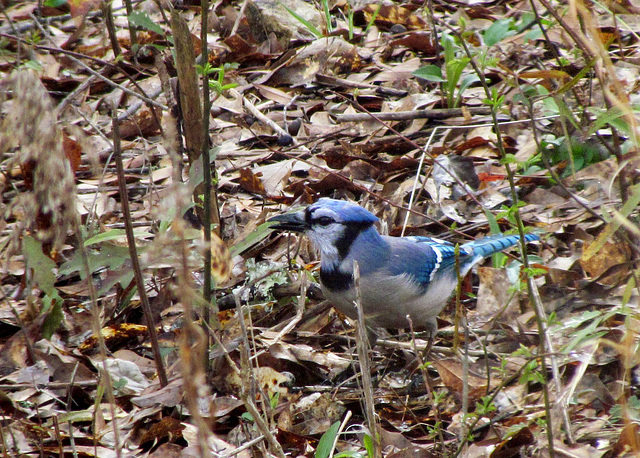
x,y
399,276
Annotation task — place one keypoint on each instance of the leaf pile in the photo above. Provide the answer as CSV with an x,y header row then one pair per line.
x,y
448,119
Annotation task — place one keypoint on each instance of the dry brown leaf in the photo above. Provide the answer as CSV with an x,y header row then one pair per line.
x,y
452,376
251,182
613,254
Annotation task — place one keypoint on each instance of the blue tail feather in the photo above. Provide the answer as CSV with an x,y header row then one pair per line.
x,y
490,245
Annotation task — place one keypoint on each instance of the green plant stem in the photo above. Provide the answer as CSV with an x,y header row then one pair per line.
x,y
520,227
372,20
488,400
327,16
589,55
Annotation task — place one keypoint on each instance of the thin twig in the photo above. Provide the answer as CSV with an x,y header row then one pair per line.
x,y
262,118
75,57
443,113
343,82
49,385
133,253
343,425
207,184
239,18
242,448
97,331
362,345
245,389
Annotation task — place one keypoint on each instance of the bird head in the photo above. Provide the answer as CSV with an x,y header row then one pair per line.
x,y
330,224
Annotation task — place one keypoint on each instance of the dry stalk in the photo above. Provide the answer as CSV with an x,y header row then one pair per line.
x,y
343,425
49,208
363,347
133,252
193,346
107,12
247,390
207,181
426,351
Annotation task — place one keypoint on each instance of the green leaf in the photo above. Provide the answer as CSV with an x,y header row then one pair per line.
x,y
121,383
373,19
630,288
467,81
631,411
584,335
527,20
195,172
498,31
54,3
509,159
368,445
534,34
454,68
43,270
124,277
494,227
605,117
42,266
310,27
325,445
557,104
33,65
327,15
54,317
142,19
431,73
275,400
449,48
110,257
351,454
612,227
114,234
255,237
577,78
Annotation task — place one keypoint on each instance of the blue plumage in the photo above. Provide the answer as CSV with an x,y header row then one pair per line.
x,y
399,276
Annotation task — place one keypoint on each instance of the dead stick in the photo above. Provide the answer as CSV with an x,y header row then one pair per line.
x,y
415,114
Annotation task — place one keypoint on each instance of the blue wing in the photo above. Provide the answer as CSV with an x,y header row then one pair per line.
x,y
419,257
423,257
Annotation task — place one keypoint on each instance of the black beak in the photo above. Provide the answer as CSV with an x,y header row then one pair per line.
x,y
294,222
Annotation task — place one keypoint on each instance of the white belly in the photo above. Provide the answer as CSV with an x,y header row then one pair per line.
x,y
387,302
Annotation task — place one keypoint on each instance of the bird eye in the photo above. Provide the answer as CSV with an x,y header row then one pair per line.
x,y
324,220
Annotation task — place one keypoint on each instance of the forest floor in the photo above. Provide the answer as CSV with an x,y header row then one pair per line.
x,y
453,119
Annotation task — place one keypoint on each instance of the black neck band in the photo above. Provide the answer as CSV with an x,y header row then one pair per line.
x,y
336,280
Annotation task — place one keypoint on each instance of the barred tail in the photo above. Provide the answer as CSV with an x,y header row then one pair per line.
x,y
491,245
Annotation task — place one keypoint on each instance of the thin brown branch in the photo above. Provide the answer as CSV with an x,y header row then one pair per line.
x,y
444,113
133,253
363,348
